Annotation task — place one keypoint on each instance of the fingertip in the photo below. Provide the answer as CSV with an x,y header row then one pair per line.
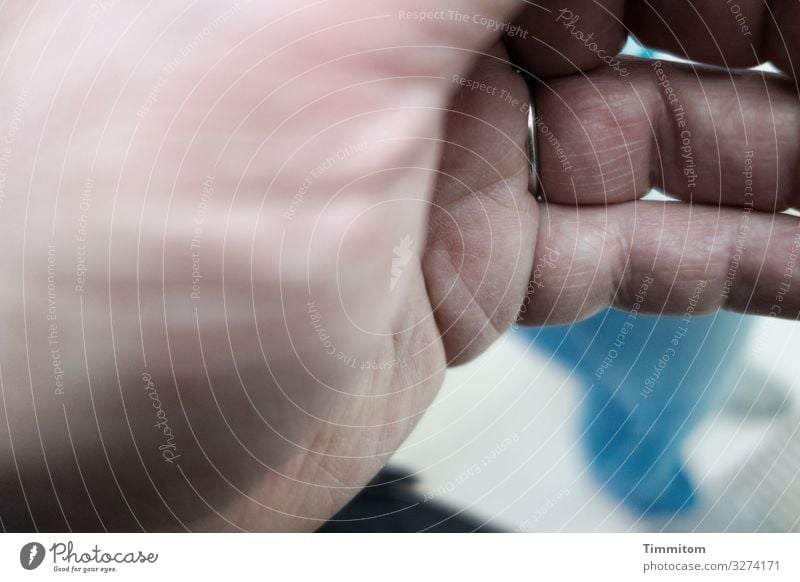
x,y
782,37
707,31
555,41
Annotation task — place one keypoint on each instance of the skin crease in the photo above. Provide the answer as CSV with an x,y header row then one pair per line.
x,y
285,155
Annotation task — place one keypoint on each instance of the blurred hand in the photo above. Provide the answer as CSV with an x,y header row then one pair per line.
x,y
243,241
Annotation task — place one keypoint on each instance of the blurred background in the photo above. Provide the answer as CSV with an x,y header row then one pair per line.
x,y
505,447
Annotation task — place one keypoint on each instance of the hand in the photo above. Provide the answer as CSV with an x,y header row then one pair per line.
x,y
244,241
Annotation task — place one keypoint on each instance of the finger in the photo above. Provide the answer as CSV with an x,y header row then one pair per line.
x,y
709,31
698,135
662,258
556,40
743,33
482,225
781,40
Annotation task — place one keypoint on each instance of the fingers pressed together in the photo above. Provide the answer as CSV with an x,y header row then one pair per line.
x,y
722,139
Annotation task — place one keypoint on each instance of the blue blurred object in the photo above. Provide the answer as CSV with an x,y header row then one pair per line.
x,y
648,381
